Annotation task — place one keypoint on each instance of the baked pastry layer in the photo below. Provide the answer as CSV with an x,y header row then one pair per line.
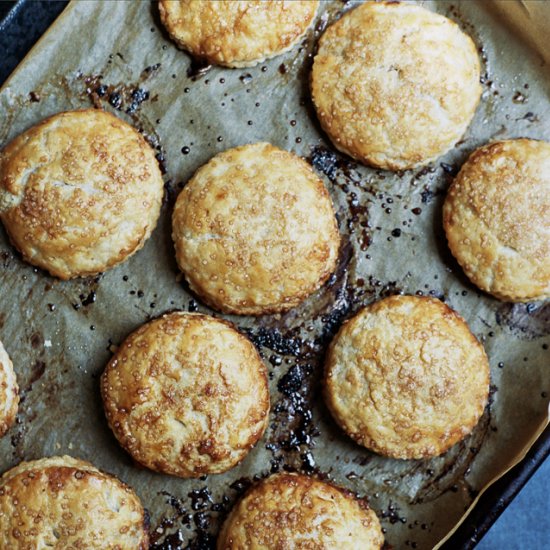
x,y
187,395
79,192
255,231
406,378
497,219
236,33
63,502
9,392
395,85
296,511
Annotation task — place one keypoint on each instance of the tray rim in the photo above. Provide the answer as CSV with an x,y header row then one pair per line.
x,y
497,497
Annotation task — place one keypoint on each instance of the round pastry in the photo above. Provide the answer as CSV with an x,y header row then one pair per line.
x,y
395,85
62,502
9,392
497,219
406,378
236,34
187,395
255,231
79,192
297,511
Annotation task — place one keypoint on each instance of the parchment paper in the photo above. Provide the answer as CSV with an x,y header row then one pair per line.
x,y
60,334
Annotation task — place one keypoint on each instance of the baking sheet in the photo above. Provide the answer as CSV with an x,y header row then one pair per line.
x,y
60,335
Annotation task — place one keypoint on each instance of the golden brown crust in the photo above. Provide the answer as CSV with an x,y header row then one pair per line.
x,y
295,511
236,33
497,219
187,395
79,193
255,231
395,85
9,392
406,378
64,502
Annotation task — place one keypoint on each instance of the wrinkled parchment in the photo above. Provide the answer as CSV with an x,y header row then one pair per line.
x,y
60,335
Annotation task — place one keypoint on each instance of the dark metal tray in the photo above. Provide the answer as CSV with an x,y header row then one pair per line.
x,y
22,22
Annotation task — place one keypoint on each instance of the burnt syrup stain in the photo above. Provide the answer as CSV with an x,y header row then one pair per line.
x,y
192,522
342,174
198,68
391,513
89,299
38,370
85,300
525,321
128,98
